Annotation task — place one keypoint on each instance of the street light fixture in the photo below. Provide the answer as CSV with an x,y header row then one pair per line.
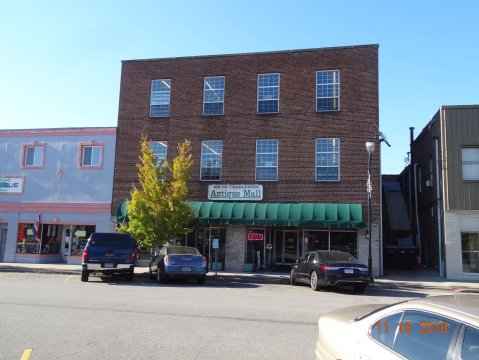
x,y
370,148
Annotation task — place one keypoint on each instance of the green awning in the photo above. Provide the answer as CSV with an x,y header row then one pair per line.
x,y
279,214
122,212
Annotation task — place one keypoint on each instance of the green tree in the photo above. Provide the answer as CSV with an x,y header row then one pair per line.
x,y
158,209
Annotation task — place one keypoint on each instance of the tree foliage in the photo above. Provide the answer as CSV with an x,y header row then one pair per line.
x,y
158,209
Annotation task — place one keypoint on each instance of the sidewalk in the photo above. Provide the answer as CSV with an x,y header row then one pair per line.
x,y
393,279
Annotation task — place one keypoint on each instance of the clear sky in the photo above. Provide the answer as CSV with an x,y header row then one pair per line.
x,y
60,60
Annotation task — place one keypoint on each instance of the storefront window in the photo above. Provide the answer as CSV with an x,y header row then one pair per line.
x,y
79,235
324,240
51,239
255,246
316,240
26,241
470,252
344,241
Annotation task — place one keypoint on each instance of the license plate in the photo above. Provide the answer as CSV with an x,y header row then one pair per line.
x,y
348,271
109,265
186,269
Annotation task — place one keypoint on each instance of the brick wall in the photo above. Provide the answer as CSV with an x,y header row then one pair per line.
x,y
296,126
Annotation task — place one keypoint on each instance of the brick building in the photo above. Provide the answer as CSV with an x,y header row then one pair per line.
x,y
278,143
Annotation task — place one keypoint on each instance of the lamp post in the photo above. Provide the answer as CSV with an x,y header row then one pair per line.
x,y
370,148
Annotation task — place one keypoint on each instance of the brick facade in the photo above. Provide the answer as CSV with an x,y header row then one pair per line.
x,y
296,126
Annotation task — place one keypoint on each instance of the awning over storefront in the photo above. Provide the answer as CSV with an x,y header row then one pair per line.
x,y
122,212
280,214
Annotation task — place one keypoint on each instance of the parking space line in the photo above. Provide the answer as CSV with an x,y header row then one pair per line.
x,y
26,354
68,278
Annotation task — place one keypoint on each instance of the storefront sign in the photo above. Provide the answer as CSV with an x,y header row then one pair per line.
x,y
235,192
11,185
255,237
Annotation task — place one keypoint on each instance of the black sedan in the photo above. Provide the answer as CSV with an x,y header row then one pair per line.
x,y
323,268
178,262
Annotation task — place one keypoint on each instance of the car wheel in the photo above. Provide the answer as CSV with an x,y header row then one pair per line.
x,y
314,281
160,277
292,278
84,275
130,275
150,273
360,288
201,279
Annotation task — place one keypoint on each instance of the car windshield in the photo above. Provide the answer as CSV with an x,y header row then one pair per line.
x,y
337,256
111,239
181,250
364,316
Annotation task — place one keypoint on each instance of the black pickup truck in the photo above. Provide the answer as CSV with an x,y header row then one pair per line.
x,y
109,253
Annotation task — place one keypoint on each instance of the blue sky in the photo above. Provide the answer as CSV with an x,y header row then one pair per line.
x,y
60,61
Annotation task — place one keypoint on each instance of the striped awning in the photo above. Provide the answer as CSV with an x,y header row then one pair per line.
x,y
280,214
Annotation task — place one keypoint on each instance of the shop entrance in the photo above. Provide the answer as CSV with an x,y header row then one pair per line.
x,y
286,247
3,242
255,247
217,256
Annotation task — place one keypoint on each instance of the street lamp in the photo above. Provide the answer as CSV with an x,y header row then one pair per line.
x,y
370,148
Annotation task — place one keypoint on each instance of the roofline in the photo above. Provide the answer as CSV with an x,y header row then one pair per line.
x,y
447,107
253,53
80,131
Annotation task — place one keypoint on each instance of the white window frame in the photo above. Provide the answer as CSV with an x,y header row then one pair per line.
x,y
205,90
470,159
94,146
334,152
273,86
338,87
158,93
256,160
38,156
160,158
204,144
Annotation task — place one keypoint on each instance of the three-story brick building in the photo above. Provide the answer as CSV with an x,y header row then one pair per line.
x,y
278,139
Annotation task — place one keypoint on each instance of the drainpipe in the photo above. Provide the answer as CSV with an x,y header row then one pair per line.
x,y
439,215
418,228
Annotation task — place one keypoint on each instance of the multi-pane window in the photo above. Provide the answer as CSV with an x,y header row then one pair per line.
x,y
160,150
470,252
470,164
160,98
91,155
267,160
214,93
211,158
268,93
33,156
327,90
327,159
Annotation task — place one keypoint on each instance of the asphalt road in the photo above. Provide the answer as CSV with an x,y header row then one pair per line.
x,y
59,317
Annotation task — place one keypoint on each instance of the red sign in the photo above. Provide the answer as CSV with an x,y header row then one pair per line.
x,y
255,237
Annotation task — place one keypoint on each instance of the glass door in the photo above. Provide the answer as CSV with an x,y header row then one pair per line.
x,y
291,247
217,255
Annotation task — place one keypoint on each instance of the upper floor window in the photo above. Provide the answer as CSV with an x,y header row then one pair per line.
x,y
214,93
160,150
160,98
327,159
211,158
33,156
268,93
327,90
470,164
267,160
91,155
